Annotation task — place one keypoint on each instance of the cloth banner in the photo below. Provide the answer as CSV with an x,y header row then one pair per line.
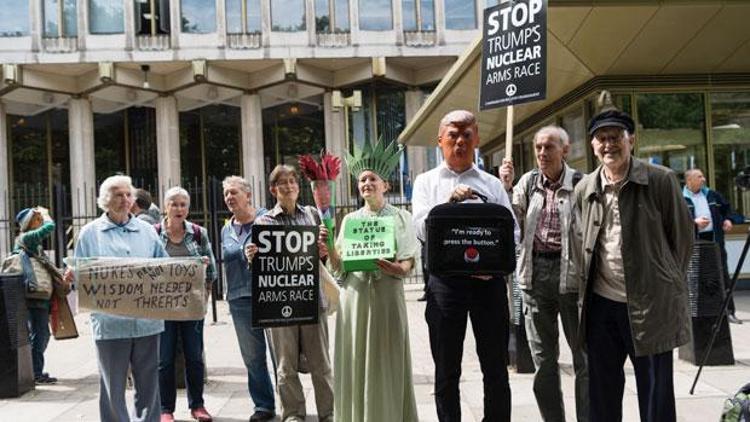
x,y
156,288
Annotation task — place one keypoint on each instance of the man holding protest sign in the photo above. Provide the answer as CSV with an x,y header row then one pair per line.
x,y
548,268
292,344
451,299
252,340
123,342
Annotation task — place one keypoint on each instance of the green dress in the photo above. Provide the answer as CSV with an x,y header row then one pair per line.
x,y
372,360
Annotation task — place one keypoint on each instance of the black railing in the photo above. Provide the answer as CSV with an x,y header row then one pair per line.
x,y
213,217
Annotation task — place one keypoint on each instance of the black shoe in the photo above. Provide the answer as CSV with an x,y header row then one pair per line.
x,y
733,319
45,379
262,416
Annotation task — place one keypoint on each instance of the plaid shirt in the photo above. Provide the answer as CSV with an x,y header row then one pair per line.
x,y
195,249
547,237
276,216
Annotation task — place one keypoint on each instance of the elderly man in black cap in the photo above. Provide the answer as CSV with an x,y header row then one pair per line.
x,y
637,240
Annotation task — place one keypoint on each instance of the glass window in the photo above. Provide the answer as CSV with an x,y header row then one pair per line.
x,y
575,124
375,15
14,18
671,130
331,16
105,17
288,15
382,116
235,23
289,130
109,143
460,14
40,156
148,22
730,117
198,16
209,149
60,18
419,15
143,163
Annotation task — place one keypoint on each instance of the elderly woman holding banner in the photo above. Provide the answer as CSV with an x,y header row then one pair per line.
x,y
183,238
123,341
372,361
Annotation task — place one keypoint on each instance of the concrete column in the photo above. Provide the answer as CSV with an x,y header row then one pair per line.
x,y
36,27
334,127
398,22
6,219
312,38
167,143
354,22
440,22
175,24
336,144
83,187
82,9
265,23
221,23
253,167
128,14
417,155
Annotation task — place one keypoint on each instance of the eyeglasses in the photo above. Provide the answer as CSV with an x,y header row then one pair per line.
x,y
286,182
610,138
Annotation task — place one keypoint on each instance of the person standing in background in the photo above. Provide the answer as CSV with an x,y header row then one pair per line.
x,y
713,218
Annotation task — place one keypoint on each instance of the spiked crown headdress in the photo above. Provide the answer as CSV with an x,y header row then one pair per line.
x,y
379,158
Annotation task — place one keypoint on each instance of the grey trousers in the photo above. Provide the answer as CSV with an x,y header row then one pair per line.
x,y
114,357
287,344
542,304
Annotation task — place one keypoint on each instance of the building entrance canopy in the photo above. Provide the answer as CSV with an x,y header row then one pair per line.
x,y
596,44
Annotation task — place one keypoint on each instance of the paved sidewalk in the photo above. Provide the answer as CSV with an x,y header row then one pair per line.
x,y
74,398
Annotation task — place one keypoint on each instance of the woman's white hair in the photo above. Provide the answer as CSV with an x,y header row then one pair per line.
x,y
173,193
239,182
108,185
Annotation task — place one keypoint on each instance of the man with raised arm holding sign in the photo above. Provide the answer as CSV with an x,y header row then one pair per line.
x,y
451,299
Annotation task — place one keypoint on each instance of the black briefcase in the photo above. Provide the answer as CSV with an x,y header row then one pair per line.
x,y
470,239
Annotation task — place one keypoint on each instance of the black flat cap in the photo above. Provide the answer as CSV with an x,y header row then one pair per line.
x,y
615,118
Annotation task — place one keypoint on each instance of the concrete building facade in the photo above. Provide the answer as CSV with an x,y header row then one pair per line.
x,y
188,91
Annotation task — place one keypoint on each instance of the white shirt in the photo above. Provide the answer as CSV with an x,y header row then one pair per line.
x,y
435,187
702,210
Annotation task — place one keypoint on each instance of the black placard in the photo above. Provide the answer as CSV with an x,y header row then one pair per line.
x,y
285,276
514,53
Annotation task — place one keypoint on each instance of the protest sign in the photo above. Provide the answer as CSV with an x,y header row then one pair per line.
x,y
514,53
285,276
366,240
155,288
